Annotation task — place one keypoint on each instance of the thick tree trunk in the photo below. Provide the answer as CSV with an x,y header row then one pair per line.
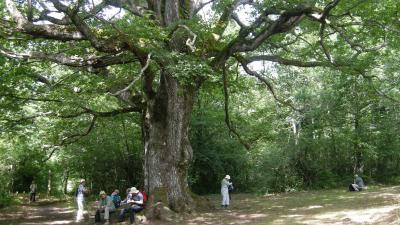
x,y
166,122
166,144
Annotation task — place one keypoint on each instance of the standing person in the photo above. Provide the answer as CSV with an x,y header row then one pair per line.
x,y
225,183
106,205
136,205
80,199
358,184
33,188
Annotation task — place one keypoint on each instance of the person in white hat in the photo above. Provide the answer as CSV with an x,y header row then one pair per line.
x,y
106,205
80,199
136,205
225,183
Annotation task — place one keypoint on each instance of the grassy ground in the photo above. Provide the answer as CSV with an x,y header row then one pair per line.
x,y
377,205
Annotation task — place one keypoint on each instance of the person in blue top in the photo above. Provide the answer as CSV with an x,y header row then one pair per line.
x,y
135,203
116,198
358,184
105,205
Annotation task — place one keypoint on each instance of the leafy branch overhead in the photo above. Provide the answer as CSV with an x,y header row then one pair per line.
x,y
126,44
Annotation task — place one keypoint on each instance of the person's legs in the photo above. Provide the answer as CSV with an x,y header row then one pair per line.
x,y
107,212
79,215
97,217
122,214
355,187
225,198
134,209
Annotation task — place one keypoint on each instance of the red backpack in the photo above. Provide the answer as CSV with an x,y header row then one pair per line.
x,y
144,198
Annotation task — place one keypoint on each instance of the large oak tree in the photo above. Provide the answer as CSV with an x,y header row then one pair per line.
x,y
172,51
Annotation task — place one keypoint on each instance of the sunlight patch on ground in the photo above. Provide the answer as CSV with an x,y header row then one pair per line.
x,y
50,223
307,208
314,207
13,215
389,195
66,211
34,217
253,216
292,216
346,197
359,216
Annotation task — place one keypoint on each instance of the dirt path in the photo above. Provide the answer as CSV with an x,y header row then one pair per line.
x,y
377,206
42,213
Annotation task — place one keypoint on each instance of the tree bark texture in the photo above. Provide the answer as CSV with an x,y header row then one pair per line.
x,y
166,144
166,123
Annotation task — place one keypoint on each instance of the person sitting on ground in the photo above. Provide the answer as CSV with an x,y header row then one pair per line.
x,y
106,205
358,184
136,205
225,191
116,198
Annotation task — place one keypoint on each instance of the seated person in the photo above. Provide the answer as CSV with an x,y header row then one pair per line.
x,y
135,202
106,205
128,196
116,198
358,184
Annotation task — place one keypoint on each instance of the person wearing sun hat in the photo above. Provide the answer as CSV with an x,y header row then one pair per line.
x,y
225,183
136,205
80,199
106,205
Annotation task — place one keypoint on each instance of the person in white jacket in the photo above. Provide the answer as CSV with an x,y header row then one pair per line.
x,y
225,183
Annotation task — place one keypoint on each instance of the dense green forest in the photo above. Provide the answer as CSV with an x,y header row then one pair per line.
x,y
316,102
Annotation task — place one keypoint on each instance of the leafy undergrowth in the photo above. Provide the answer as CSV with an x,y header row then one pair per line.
x,y
377,205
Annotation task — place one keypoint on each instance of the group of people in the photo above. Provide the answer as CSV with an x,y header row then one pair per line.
x,y
107,204
135,200
133,203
